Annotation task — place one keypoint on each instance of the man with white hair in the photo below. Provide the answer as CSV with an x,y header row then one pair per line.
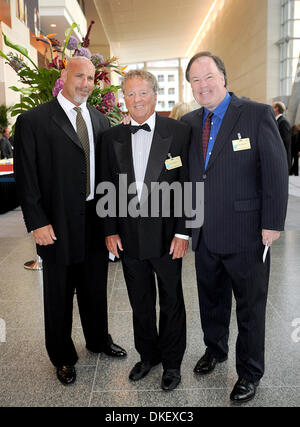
x,y
54,167
284,128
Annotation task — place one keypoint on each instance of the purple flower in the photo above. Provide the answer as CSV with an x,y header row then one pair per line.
x,y
97,59
15,62
57,87
83,51
72,43
109,98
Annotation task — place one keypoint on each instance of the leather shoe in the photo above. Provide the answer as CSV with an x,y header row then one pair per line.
x,y
243,391
140,370
110,349
170,379
207,363
66,374
114,350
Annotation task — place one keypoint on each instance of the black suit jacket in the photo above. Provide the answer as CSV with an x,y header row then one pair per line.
x,y
286,136
50,174
146,237
244,191
5,148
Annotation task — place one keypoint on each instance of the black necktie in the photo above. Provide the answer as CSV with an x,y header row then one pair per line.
x,y
134,129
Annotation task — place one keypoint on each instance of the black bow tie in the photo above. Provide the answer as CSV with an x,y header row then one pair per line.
x,y
134,129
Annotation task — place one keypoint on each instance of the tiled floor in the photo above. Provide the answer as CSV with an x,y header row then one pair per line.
x,y
28,379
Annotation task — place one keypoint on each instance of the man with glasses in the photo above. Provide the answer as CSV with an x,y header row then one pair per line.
x,y
149,243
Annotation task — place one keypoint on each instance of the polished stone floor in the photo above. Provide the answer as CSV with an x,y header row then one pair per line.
x,y
28,379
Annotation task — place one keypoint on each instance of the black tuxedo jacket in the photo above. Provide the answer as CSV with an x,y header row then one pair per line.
x,y
50,174
286,136
151,236
244,191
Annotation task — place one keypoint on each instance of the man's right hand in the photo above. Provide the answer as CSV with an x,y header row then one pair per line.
x,y
113,242
44,236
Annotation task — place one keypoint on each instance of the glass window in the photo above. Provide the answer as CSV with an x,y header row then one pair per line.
x,y
171,78
290,44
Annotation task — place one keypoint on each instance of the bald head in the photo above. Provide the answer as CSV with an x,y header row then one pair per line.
x,y
79,59
78,78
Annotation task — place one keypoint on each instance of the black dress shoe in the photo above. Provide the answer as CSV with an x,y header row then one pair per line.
x,y
140,370
110,349
243,391
170,379
207,363
114,350
66,374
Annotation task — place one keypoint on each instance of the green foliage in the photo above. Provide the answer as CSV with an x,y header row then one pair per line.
x,y
38,84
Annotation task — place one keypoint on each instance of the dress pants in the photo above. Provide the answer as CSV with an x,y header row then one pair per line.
x,y
168,344
89,278
247,276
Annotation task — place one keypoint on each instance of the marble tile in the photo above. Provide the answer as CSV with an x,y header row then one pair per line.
x,y
27,377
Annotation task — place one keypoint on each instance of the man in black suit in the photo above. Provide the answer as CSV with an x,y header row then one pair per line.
x,y
149,242
284,129
236,150
55,176
6,151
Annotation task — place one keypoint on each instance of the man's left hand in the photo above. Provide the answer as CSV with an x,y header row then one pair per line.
x,y
178,247
269,236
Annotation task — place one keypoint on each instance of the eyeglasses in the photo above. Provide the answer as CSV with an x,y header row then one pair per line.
x,y
142,94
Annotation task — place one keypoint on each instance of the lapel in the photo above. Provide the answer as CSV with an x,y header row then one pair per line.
x,y
160,148
95,122
196,146
123,151
62,120
231,117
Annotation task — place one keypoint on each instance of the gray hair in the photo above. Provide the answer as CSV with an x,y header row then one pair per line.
x,y
141,74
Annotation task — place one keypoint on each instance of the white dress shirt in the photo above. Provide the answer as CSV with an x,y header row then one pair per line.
x,y
68,108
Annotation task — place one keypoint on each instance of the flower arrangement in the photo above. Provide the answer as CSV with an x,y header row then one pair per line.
x,y
42,84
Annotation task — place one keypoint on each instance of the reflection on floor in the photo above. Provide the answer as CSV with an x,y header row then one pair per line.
x,y
28,379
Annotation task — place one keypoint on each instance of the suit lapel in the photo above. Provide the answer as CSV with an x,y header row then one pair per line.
x,y
196,145
62,120
231,117
95,122
160,148
123,150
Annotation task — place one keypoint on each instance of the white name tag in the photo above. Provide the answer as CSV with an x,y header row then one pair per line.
x,y
241,144
173,163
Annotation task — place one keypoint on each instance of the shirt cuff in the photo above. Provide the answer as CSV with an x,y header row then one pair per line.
x,y
182,236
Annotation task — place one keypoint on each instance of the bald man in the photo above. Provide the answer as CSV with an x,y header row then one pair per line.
x,y
55,174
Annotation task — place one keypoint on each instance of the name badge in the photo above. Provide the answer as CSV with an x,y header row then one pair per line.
x,y
173,163
241,144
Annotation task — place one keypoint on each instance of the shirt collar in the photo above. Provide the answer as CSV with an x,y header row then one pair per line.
x,y
68,105
150,121
220,110
279,115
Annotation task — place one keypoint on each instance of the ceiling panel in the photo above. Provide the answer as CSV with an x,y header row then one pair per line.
x,y
143,30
